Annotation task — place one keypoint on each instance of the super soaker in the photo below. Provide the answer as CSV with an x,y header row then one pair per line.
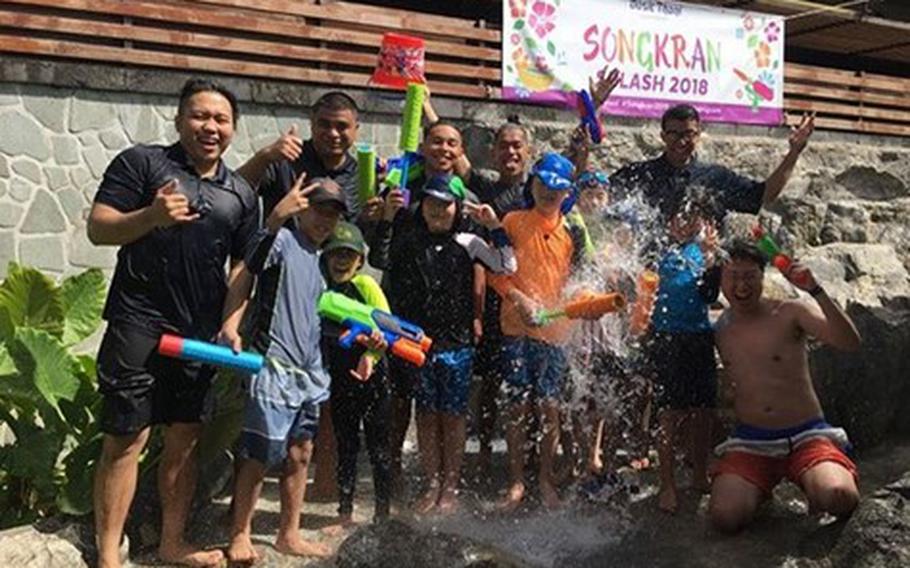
x,y
645,294
398,170
405,339
588,305
211,353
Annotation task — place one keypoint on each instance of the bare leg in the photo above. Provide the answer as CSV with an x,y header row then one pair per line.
x,y
247,487
325,481
549,420
733,503
830,489
702,423
115,485
486,422
516,438
453,440
400,421
669,423
595,446
176,486
293,490
429,442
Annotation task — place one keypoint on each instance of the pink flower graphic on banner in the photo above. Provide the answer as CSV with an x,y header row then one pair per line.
x,y
518,8
772,32
748,22
541,19
515,38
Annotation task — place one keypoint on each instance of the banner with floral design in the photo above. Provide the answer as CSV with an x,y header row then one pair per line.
x,y
726,63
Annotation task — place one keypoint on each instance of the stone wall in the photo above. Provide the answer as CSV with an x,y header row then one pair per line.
x,y
63,122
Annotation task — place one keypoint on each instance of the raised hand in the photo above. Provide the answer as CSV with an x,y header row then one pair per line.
x,y
288,146
482,214
604,86
799,135
393,202
800,276
291,204
170,207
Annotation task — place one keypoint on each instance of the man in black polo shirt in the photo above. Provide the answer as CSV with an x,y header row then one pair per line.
x,y
665,180
177,213
333,124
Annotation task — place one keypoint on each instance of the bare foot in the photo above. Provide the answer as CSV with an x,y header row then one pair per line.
x,y
427,501
513,498
666,500
549,497
296,546
343,524
448,502
188,555
242,551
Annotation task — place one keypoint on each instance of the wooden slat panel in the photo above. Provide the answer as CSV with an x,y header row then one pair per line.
x,y
235,45
42,47
390,18
832,92
213,17
847,110
854,126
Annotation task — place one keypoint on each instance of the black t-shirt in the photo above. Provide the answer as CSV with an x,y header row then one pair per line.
x,y
503,198
666,187
281,175
173,279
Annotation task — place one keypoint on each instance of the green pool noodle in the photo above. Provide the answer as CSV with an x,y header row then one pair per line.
x,y
410,123
366,173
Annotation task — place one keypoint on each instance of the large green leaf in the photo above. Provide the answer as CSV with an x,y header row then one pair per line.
x,y
75,497
34,457
7,365
28,298
83,300
42,359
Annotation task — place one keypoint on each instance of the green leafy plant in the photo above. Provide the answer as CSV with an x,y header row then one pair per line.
x,y
48,398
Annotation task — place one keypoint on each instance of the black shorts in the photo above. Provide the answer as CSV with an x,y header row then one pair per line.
x,y
141,388
404,378
684,369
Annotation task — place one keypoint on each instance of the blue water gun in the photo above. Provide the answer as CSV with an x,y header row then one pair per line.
x,y
589,116
405,339
409,141
211,353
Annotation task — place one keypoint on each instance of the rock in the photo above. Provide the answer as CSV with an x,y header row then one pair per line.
x,y
848,220
23,135
26,547
45,253
20,190
140,123
73,204
28,169
83,253
96,159
394,543
44,215
861,391
56,177
4,167
7,250
91,115
878,533
10,214
49,109
866,182
114,140
66,150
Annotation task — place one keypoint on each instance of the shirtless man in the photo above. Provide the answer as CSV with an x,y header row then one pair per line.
x,y
781,431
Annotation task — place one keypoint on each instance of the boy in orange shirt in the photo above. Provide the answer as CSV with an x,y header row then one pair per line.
x,y
546,249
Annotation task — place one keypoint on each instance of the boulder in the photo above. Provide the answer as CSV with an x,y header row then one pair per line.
x,y
878,534
394,543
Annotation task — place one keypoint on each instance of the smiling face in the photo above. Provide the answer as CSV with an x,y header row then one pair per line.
x,y
343,264
334,132
547,201
741,282
511,153
318,221
592,199
441,149
680,139
438,214
205,124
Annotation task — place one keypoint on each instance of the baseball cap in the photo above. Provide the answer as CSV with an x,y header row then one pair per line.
x,y
346,235
445,187
554,170
328,191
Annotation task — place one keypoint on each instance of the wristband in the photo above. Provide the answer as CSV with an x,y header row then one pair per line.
x,y
816,291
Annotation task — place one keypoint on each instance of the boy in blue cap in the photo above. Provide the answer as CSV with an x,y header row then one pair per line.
x,y
547,249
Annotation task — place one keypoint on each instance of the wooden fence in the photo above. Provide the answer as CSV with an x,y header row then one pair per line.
x,y
336,44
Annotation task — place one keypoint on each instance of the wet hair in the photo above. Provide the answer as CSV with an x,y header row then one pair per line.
x,y
513,124
681,112
194,86
741,249
335,101
429,129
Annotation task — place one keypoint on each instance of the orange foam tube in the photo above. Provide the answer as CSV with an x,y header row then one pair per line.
x,y
595,305
647,285
409,351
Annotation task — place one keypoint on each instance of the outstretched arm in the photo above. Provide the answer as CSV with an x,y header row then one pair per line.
x,y
799,137
827,322
288,146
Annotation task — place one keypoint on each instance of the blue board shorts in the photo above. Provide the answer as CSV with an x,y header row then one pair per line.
x,y
277,414
532,367
445,381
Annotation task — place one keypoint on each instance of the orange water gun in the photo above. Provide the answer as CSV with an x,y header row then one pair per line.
x,y
645,295
587,305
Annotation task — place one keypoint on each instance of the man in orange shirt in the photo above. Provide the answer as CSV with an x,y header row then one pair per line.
x,y
546,248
